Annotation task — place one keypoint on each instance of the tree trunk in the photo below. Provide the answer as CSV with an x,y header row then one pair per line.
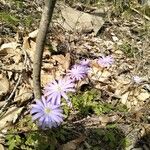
x,y
40,42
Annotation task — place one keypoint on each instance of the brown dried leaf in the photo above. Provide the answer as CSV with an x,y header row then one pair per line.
x,y
72,145
18,66
17,58
8,48
11,45
144,95
24,95
2,147
108,119
2,103
99,75
124,98
46,77
26,44
29,45
33,34
63,60
4,85
10,116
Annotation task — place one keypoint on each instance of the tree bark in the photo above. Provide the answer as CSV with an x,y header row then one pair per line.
x,y
40,42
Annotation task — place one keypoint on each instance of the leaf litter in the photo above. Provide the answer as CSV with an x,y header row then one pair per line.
x,y
115,83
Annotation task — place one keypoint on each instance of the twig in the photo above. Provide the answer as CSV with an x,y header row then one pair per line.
x,y
146,17
11,95
40,41
11,70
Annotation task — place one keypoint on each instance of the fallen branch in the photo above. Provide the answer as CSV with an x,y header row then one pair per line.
x,y
144,16
40,41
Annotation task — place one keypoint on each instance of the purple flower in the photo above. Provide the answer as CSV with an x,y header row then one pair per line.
x,y
57,89
137,79
47,114
77,72
85,62
105,61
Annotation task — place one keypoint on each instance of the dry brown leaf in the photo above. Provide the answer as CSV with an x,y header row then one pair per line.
x,y
18,66
118,92
2,103
63,60
46,77
4,85
119,52
10,116
11,45
124,98
26,44
2,147
104,75
29,45
9,48
144,95
82,83
123,81
24,95
1,41
108,119
72,145
17,58
33,34
59,58
98,74
67,62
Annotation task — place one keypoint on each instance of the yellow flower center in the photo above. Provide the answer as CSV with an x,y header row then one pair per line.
x,y
47,110
59,88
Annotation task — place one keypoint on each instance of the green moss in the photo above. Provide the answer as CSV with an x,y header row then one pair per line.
x,y
128,49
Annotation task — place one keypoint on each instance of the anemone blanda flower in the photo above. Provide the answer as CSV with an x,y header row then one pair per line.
x,y
137,79
77,72
46,114
105,61
57,89
85,62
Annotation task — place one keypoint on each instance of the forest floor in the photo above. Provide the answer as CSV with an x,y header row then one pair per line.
x,y
111,108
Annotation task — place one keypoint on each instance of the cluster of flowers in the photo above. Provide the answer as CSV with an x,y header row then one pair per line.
x,y
47,111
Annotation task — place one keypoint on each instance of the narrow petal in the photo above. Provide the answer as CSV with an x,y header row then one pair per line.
x,y
35,110
64,95
37,115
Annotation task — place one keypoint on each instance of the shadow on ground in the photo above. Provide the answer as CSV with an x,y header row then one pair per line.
x,y
143,143
108,138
